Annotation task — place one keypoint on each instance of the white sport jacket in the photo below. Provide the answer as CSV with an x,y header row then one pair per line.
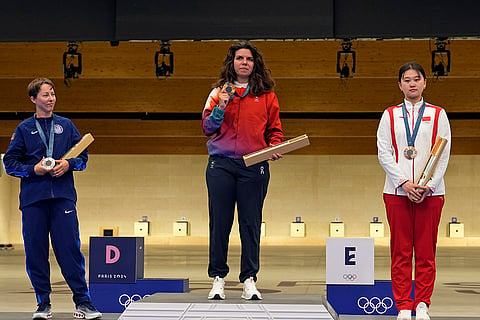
x,y
392,141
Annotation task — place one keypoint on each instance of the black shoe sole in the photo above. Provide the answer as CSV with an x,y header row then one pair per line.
x,y
254,297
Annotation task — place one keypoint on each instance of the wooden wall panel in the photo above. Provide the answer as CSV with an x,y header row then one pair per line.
x,y
121,79
189,95
196,145
372,95
337,136
116,95
198,59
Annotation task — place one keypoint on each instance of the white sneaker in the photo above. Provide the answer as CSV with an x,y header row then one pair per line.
x,y
86,311
250,291
218,289
44,311
404,315
422,312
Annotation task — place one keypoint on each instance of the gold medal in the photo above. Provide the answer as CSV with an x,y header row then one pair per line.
x,y
410,152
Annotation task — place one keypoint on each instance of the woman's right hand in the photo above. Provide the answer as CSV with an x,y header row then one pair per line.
x,y
39,169
223,98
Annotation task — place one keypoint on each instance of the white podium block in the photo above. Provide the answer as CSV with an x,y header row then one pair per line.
x,y
297,229
180,228
350,261
456,230
337,229
377,230
141,228
263,230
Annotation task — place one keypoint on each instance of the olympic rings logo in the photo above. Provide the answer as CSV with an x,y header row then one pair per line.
x,y
374,304
125,299
350,276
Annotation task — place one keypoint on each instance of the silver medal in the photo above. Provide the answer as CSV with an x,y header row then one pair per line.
x,y
48,163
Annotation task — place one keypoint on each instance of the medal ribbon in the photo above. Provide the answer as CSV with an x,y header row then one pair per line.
x,y
49,147
244,94
411,137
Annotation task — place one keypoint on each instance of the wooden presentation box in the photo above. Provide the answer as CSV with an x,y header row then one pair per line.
x,y
282,148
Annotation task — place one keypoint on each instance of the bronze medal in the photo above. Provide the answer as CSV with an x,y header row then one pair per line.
x,y
410,152
229,88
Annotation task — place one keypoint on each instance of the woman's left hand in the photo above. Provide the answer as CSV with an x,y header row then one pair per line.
x,y
60,168
425,191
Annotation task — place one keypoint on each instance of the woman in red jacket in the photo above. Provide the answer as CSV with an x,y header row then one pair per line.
x,y
241,115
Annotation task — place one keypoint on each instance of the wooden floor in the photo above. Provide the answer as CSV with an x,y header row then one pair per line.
x,y
284,270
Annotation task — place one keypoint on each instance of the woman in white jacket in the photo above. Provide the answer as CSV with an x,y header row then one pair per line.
x,y
405,136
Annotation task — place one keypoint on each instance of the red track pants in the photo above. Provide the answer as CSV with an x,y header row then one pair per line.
x,y
413,229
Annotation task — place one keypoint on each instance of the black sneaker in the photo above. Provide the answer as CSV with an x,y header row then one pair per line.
x,y
44,311
86,311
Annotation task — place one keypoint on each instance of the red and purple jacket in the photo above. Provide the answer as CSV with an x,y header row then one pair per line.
x,y
246,125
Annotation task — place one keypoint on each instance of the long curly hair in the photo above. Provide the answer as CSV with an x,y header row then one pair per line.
x,y
260,81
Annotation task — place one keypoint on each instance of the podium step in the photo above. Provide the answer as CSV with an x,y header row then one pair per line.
x,y
195,306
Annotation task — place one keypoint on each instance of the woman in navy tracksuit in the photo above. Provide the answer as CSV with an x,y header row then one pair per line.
x,y
48,199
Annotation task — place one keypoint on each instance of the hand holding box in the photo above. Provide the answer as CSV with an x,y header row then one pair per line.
x,y
79,147
284,147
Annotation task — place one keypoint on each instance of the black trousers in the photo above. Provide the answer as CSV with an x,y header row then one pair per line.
x,y
230,182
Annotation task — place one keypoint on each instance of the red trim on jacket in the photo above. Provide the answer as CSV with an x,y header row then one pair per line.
x,y
392,130
435,123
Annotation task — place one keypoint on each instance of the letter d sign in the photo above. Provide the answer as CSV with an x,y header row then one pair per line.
x,y
112,254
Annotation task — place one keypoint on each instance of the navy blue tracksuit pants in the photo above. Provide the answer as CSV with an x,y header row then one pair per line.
x,y
56,218
230,182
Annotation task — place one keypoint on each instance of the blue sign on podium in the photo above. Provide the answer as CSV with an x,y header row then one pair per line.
x,y
115,297
116,259
116,274
364,300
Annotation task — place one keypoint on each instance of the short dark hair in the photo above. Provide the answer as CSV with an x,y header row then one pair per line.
x,y
411,66
34,86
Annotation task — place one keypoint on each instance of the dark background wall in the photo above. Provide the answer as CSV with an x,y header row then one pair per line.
x,y
398,19
113,20
57,20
